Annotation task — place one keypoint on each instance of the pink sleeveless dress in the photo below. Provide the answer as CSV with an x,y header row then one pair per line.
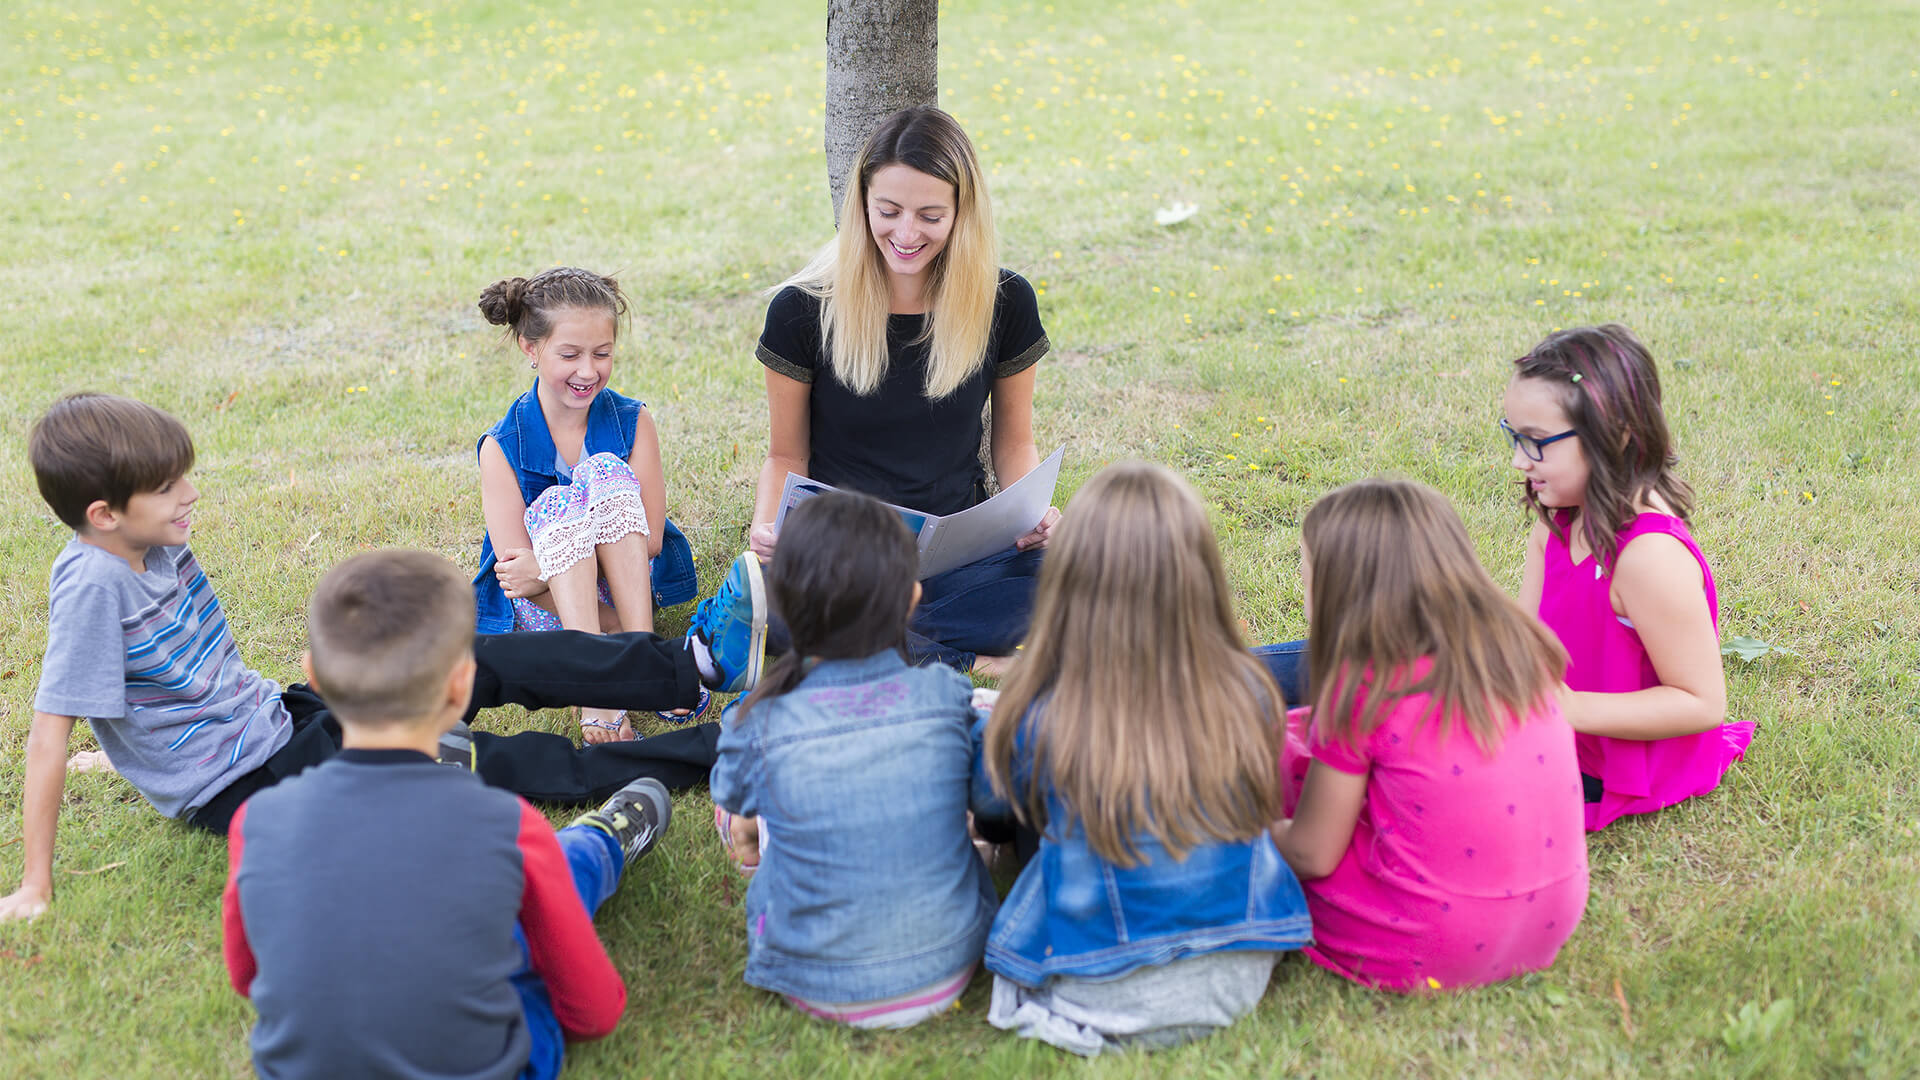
x,y
1606,656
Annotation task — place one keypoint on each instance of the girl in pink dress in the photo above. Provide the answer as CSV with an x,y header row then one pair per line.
x,y
1433,797
1612,569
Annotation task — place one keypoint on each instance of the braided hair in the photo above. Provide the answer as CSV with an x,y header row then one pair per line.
x,y
526,307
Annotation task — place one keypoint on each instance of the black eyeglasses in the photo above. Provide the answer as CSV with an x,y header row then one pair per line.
x,y
1530,446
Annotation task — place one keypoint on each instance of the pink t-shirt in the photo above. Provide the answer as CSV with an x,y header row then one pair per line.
x,y
1463,868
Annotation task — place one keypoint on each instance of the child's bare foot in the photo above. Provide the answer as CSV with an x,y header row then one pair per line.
x,y
604,726
90,761
992,667
741,835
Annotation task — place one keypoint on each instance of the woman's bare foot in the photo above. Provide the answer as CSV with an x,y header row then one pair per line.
x,y
604,726
992,667
90,761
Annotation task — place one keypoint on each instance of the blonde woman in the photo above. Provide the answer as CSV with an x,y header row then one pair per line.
x,y
882,356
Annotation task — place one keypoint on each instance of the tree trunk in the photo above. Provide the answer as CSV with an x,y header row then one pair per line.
x,y
881,57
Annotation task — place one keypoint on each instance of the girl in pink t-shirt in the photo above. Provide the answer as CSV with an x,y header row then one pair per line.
x,y
1612,569
1433,798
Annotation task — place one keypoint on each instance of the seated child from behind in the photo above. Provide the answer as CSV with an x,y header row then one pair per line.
x,y
393,916
869,906
1139,737
1437,825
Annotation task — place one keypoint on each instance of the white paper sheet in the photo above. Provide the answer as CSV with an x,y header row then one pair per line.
x,y
954,540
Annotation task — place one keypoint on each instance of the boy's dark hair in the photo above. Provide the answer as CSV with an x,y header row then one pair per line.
x,y
842,578
527,306
92,448
384,628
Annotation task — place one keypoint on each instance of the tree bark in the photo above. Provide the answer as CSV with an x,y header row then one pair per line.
x,y
882,56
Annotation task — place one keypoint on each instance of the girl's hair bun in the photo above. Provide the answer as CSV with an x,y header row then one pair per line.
x,y
501,302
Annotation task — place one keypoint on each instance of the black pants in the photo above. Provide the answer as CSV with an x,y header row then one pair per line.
x,y
537,671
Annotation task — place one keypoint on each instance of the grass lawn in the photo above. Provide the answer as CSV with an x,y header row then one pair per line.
x,y
273,218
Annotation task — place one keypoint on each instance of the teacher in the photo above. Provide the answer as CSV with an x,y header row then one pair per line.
x,y
884,357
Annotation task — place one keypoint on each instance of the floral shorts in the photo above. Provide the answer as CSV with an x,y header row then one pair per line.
x,y
568,521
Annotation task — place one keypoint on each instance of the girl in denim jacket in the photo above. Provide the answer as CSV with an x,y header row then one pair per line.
x,y
847,777
1141,738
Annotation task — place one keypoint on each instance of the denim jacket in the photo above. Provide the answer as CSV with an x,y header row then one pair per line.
x,y
1075,914
869,886
523,437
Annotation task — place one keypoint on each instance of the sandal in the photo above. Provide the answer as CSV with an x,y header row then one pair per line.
x,y
674,716
614,727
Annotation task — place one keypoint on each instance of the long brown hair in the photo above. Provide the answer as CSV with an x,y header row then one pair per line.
x,y
1150,715
1607,385
849,275
1392,581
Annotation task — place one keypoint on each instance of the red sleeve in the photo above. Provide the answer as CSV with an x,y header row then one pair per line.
x,y
241,967
562,948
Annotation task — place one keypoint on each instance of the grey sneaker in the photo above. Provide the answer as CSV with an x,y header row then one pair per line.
x,y
635,816
456,747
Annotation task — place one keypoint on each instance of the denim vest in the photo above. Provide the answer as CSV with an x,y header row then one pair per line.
x,y
523,437
1075,914
869,886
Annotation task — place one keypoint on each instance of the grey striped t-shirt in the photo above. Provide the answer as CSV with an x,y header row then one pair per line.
x,y
147,658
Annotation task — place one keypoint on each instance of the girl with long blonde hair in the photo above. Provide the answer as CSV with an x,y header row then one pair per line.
x,y
1139,736
1438,830
883,355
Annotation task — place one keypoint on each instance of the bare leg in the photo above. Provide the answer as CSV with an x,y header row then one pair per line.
x,y
624,564
575,593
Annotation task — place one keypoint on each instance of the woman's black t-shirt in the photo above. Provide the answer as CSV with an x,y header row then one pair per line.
x,y
895,444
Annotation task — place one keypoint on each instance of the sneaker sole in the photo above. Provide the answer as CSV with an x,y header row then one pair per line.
x,y
757,641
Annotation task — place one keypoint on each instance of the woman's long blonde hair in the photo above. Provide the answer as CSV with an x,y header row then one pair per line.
x,y
1150,717
849,275
1394,580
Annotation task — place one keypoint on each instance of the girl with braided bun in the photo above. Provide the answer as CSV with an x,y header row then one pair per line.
x,y
571,484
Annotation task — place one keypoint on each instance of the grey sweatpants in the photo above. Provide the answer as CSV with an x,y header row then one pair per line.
x,y
1150,1008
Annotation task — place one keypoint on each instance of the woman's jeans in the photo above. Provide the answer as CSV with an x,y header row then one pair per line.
x,y
982,608
1288,663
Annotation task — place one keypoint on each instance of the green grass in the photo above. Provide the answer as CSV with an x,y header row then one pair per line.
x,y
247,212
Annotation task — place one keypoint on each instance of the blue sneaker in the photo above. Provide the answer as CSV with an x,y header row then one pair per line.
x,y
733,624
